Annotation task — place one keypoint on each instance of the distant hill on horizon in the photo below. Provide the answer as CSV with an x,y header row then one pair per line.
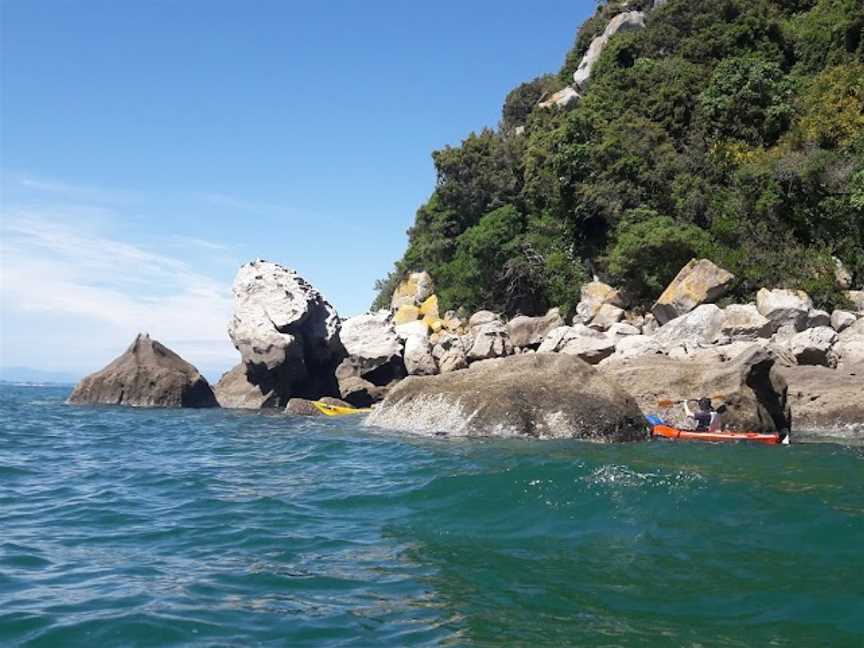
x,y
31,375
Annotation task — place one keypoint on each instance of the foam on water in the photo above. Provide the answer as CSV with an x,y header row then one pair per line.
x,y
157,527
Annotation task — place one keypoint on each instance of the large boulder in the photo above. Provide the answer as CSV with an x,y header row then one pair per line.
x,y
529,331
587,344
627,21
827,404
698,282
606,317
481,318
286,332
413,290
857,299
419,360
235,390
745,322
784,307
305,407
373,354
538,395
841,320
636,345
595,294
813,346
449,353
753,393
491,340
848,350
147,374
698,327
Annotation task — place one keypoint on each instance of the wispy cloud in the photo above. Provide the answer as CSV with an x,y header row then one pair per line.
x,y
94,284
81,192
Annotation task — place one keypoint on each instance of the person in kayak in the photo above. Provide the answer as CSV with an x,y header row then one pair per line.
x,y
706,417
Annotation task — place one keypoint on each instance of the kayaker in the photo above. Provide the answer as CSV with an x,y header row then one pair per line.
x,y
706,417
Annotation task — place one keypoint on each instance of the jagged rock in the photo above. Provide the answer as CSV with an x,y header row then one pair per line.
x,y
564,98
417,328
813,346
481,318
841,320
606,316
529,331
754,394
537,394
627,21
286,332
816,318
490,341
826,403
842,276
450,354
452,322
374,352
700,326
147,374
419,360
784,307
595,294
857,299
412,291
743,321
698,282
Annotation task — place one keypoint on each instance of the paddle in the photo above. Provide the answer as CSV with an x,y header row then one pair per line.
x,y
669,403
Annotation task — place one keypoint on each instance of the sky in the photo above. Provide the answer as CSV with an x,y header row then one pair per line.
x,y
148,149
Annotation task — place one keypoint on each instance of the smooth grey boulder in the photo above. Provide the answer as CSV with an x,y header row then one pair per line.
x,y
491,340
529,331
622,329
752,391
481,318
147,374
636,345
587,344
827,404
449,353
286,332
813,346
535,394
841,320
627,21
700,281
816,318
784,307
305,407
848,351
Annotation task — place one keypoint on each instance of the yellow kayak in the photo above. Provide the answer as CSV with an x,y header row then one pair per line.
x,y
336,410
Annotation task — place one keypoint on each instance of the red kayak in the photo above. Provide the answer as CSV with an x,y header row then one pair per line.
x,y
669,432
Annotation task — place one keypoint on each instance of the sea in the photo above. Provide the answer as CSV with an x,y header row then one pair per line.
x,y
151,527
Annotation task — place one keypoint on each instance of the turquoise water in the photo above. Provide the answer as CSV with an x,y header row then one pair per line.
x,y
123,527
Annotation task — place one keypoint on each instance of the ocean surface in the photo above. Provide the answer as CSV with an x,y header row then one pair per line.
x,y
133,527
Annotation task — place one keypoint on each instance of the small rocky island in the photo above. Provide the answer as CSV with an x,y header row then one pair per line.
x,y
774,364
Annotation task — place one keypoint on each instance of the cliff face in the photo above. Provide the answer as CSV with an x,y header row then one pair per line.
x,y
731,130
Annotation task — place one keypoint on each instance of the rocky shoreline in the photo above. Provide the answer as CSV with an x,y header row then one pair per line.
x,y
775,364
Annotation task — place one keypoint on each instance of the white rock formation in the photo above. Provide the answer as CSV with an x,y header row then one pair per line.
x,y
627,21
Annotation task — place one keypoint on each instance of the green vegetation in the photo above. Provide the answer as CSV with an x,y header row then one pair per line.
x,y
731,129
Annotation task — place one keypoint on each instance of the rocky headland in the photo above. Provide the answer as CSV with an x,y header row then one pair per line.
x,y
775,364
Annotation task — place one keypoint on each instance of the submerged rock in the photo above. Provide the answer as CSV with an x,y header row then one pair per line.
x,y
538,394
147,374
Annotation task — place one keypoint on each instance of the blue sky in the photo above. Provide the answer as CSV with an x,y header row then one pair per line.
x,y
149,148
